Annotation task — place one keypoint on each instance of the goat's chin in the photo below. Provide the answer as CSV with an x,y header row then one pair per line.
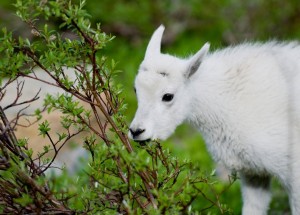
x,y
143,142
139,139
165,135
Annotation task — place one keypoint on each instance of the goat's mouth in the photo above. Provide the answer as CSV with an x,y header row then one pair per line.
x,y
143,142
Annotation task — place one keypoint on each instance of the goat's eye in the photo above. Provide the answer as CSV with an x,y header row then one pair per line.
x,y
167,97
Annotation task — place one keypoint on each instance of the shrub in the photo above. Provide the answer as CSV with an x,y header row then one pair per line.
x,y
121,176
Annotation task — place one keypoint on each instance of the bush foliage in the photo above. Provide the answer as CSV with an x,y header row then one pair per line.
x,y
120,176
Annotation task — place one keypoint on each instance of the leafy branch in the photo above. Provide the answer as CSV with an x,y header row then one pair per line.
x,y
120,176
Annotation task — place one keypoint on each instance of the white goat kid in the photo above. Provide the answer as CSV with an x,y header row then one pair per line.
x,y
245,101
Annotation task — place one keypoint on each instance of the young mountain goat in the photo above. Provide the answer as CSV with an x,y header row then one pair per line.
x,y
245,101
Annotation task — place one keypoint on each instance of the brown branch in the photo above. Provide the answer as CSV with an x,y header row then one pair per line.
x,y
121,174
92,43
10,135
150,195
32,183
56,150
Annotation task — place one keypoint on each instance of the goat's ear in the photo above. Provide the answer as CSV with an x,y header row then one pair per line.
x,y
153,48
195,61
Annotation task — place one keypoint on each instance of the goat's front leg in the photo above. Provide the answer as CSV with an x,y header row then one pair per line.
x,y
256,194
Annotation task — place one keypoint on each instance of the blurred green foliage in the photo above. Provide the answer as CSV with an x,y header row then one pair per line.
x,y
189,24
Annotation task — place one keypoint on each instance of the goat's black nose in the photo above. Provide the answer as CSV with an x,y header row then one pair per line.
x,y
136,132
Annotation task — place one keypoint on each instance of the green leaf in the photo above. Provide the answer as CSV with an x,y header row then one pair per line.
x,y
44,128
24,200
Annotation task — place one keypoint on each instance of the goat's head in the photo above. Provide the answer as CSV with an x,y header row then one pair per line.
x,y
162,91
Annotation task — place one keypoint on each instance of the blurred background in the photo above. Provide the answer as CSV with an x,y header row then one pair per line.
x,y
189,24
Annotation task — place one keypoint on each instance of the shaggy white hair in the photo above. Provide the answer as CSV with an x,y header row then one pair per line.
x,y
245,101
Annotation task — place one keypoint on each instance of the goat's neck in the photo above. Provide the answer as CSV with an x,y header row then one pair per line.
x,y
207,111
